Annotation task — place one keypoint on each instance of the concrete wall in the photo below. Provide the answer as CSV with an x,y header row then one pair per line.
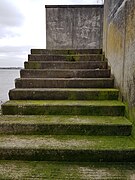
x,y
119,46
74,26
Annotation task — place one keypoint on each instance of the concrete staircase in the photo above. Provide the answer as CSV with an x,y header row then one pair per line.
x,y
65,108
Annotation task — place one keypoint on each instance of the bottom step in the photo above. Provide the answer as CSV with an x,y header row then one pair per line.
x,y
62,170
67,148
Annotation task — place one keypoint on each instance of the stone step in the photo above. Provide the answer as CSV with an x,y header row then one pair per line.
x,y
66,65
64,83
58,57
65,125
65,73
67,148
63,107
63,94
47,170
68,51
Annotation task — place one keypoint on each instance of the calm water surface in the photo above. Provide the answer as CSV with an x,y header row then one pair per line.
x,y
7,82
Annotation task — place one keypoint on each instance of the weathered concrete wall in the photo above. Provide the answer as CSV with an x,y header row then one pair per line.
x,y
119,46
74,26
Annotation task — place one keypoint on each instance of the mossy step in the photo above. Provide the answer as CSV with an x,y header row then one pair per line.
x,y
67,148
65,65
68,125
64,83
58,57
63,94
66,51
66,170
63,107
65,73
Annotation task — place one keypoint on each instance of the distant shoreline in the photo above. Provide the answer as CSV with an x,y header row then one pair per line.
x,y
10,67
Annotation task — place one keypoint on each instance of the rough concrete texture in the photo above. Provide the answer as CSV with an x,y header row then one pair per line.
x,y
67,51
119,46
64,107
59,57
63,94
69,171
67,148
74,27
66,65
64,83
65,125
65,73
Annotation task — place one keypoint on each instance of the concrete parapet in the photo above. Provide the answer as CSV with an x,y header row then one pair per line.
x,y
74,26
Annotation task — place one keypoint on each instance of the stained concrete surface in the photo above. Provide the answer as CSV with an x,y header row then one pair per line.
x,y
74,26
75,171
119,47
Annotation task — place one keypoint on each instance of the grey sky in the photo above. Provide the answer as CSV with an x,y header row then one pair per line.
x,y
21,29
9,17
9,14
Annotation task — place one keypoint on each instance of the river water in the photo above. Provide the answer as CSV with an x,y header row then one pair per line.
x,y
7,82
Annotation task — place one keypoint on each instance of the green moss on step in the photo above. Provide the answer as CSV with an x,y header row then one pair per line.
x,y
32,65
64,102
77,58
70,125
67,142
67,148
65,170
69,58
48,107
69,94
131,111
49,119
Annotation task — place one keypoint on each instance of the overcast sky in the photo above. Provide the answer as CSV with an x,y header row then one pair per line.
x,y
22,27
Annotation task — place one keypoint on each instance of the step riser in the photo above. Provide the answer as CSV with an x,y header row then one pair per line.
x,y
51,83
70,51
60,129
63,110
65,57
62,95
65,65
67,155
65,74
